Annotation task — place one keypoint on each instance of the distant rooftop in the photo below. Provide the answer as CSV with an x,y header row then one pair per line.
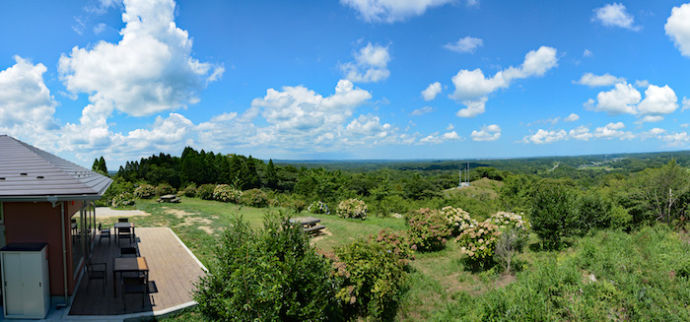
x,y
27,172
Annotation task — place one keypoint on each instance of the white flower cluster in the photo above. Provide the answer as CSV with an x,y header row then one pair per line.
x,y
508,219
458,219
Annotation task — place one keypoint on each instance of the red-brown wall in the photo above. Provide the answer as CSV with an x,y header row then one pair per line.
x,y
40,222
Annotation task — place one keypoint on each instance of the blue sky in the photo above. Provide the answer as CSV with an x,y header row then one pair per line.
x,y
349,79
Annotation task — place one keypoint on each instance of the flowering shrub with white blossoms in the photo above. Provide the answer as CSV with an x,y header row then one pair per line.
x,y
479,242
319,207
458,220
226,193
505,219
145,191
352,208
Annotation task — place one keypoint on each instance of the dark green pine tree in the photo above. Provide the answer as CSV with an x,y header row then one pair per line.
x,y
253,180
102,166
271,175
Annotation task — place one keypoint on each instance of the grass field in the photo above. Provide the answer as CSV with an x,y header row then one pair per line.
x,y
434,283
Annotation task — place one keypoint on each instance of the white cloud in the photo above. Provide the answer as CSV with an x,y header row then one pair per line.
x,y
391,10
587,53
431,91
658,100
686,103
621,99
580,133
465,45
593,80
371,64
641,83
450,127
613,130
472,87
544,136
678,28
625,99
421,111
615,15
26,106
149,70
435,138
487,133
99,28
571,118
676,139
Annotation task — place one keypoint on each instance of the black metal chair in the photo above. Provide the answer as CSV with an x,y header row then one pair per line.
x,y
104,233
96,271
135,285
124,233
129,252
123,219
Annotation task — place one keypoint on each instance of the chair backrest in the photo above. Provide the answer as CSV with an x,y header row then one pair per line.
x,y
128,251
100,226
124,231
122,219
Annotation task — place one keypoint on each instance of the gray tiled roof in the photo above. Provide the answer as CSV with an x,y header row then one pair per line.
x,y
26,171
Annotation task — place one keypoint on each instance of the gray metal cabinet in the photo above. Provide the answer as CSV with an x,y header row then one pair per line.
x,y
25,280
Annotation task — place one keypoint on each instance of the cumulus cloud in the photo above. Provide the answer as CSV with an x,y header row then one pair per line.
x,y
437,138
582,133
678,28
431,91
487,133
465,45
390,11
615,15
593,80
686,103
571,118
625,99
545,136
472,87
370,65
423,110
26,106
149,70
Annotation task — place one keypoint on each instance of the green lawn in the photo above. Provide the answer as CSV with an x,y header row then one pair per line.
x,y
199,222
435,282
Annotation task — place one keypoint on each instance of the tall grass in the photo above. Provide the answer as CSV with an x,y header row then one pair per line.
x,y
609,276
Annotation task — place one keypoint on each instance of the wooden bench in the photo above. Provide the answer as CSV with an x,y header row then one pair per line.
x,y
169,198
313,229
309,224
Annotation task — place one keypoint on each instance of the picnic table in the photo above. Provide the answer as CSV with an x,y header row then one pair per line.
x,y
129,265
169,198
309,224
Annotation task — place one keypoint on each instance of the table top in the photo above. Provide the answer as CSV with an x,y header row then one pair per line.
x,y
124,225
130,264
305,220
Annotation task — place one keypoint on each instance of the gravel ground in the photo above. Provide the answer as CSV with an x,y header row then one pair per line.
x,y
105,212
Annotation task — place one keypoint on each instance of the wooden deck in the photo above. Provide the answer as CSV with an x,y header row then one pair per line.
x,y
172,270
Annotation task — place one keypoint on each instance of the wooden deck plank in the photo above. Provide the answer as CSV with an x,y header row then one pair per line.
x,y
171,267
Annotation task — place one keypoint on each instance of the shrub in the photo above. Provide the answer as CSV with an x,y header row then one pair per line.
x,y
190,190
352,208
458,219
318,207
145,191
205,191
226,193
510,242
269,275
428,229
478,243
371,279
254,198
118,186
297,205
508,220
164,189
122,200
553,215
397,244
